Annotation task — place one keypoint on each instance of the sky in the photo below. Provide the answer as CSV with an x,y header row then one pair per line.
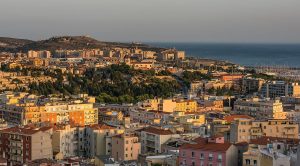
x,y
222,21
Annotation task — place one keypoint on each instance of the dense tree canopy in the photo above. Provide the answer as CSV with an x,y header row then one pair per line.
x,y
189,77
113,84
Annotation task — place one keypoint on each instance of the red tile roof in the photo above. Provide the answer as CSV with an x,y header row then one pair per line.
x,y
26,130
241,144
157,131
215,147
231,118
203,144
101,127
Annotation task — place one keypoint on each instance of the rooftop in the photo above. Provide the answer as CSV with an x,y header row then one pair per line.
x,y
231,118
203,144
101,127
157,131
26,130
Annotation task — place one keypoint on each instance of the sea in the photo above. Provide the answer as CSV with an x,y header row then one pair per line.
x,y
281,55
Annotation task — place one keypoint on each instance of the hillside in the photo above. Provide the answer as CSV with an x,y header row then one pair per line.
x,y
63,42
7,43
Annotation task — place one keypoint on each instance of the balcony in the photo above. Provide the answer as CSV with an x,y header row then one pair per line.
x,y
219,160
210,159
151,139
16,153
149,144
15,139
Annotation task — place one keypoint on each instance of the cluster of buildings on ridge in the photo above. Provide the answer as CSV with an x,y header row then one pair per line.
x,y
76,61
256,125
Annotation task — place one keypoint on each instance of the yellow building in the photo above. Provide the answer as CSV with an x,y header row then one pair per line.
x,y
143,65
75,113
260,108
186,105
190,121
171,105
37,62
243,130
166,105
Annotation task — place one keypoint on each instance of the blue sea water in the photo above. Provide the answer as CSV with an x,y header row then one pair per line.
x,y
244,54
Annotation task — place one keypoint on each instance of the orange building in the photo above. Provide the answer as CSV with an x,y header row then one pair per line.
x,y
75,114
77,118
231,77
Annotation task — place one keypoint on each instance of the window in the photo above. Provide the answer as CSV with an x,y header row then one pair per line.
x,y
193,154
210,157
201,156
278,147
247,162
183,154
193,163
220,157
255,162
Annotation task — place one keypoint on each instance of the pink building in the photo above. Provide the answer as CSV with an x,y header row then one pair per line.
x,y
208,152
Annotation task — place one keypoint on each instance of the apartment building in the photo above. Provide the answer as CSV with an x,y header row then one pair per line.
x,y
166,105
270,151
186,105
231,77
208,151
171,105
39,54
280,88
243,130
222,126
259,108
98,140
65,141
125,147
108,116
30,109
75,114
215,104
152,139
21,144
143,65
196,86
190,121
251,85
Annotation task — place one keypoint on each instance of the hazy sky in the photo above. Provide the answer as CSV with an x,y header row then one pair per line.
x,y
276,21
